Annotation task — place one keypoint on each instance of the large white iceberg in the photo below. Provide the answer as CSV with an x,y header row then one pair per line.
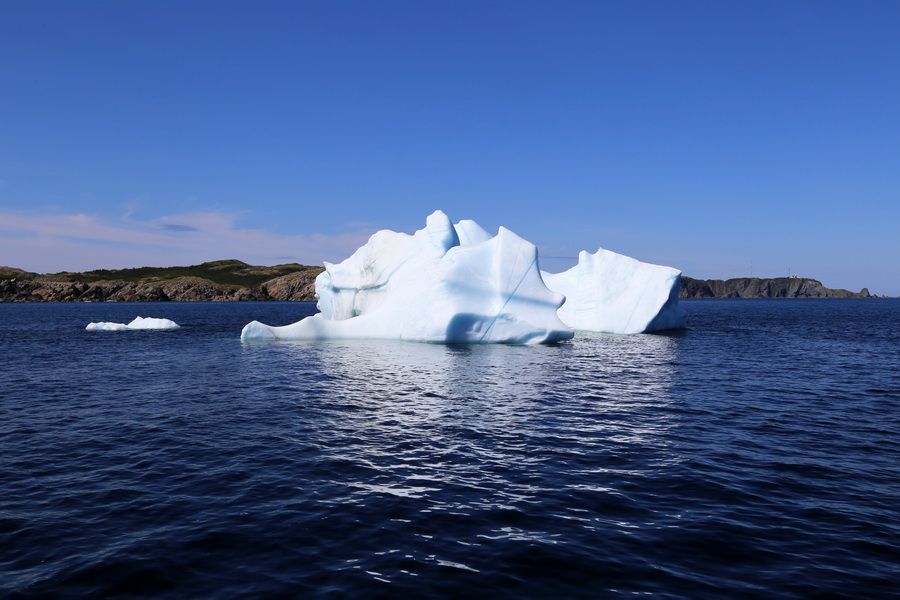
x,y
612,293
446,283
137,323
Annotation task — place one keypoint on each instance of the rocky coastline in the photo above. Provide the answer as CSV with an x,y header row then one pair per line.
x,y
755,287
221,281
236,281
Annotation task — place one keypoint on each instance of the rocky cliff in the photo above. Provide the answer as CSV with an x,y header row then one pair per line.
x,y
226,280
754,287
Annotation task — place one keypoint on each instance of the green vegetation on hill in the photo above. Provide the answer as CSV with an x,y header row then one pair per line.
x,y
231,273
12,272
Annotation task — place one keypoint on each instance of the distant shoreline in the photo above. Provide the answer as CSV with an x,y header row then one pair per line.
x,y
757,287
217,281
236,281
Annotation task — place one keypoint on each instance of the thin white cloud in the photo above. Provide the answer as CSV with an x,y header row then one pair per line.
x,y
55,242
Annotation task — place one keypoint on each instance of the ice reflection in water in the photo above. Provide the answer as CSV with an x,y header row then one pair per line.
x,y
486,433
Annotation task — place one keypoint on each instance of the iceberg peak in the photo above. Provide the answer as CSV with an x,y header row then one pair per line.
x,y
470,232
440,231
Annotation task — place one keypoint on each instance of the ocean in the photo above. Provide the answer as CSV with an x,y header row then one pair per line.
x,y
756,454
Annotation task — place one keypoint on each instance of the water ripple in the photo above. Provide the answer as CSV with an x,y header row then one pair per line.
x,y
756,454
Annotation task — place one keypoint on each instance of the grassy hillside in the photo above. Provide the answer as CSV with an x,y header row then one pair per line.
x,y
232,273
12,273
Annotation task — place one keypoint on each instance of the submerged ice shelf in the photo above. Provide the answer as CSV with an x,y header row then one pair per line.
x,y
137,323
458,284
446,283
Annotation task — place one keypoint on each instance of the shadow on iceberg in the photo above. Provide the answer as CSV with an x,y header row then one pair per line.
x,y
466,327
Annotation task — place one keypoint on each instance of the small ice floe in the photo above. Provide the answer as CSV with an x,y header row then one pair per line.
x,y
138,323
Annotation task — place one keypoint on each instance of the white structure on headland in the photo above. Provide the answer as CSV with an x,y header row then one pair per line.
x,y
446,283
137,323
612,293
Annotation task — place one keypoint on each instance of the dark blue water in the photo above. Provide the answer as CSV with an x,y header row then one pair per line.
x,y
757,455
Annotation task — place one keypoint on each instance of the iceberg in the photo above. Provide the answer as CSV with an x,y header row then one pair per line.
x,y
611,293
445,283
137,323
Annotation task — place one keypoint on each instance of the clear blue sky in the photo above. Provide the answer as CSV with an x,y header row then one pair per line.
x,y
722,138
